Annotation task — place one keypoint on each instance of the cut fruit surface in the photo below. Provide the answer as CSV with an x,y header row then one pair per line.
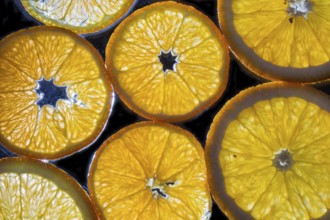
x,y
56,97
267,153
168,61
279,40
79,16
31,189
150,170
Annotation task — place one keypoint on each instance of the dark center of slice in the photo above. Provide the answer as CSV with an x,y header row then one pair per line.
x,y
299,7
169,60
283,160
158,189
49,93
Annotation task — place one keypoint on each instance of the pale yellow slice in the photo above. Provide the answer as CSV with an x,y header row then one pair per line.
x,y
31,189
269,147
80,16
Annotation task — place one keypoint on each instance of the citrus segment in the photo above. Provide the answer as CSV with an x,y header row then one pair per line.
x,y
56,98
34,190
78,15
56,53
12,79
81,65
279,40
150,170
266,153
22,55
167,61
20,128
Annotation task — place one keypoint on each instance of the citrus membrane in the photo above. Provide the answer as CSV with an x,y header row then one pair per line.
x,y
55,97
267,153
168,61
150,170
31,189
279,40
79,16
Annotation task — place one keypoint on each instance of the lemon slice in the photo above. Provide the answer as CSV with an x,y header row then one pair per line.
x,y
150,170
55,97
31,189
168,61
279,40
80,16
267,154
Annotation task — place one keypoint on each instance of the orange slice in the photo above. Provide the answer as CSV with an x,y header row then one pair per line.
x,y
168,61
80,16
267,154
55,97
150,170
279,40
31,189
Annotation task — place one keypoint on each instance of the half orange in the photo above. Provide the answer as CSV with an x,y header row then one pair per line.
x,y
168,61
31,189
150,170
80,16
55,96
268,152
279,40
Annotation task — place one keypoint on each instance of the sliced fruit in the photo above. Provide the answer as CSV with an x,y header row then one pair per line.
x,y
267,153
31,189
279,40
55,97
168,61
150,170
79,16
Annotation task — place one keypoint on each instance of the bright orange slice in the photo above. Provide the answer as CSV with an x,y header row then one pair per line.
x,y
54,95
268,152
80,16
150,170
279,40
168,61
31,189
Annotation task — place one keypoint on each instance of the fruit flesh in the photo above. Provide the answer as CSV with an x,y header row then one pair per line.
x,y
284,36
44,131
272,152
31,189
198,76
78,15
162,176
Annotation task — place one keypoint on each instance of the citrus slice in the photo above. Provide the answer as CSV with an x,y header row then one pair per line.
x,y
80,16
150,170
267,153
168,61
31,189
279,40
55,97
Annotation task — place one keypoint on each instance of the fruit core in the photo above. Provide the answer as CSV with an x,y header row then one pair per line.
x,y
299,7
169,60
49,93
283,160
157,188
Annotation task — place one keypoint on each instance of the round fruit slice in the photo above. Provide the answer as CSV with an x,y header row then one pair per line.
x,y
31,189
267,154
55,97
150,170
168,61
279,40
80,16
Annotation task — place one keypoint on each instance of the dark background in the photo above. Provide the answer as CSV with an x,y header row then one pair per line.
x,y
13,19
